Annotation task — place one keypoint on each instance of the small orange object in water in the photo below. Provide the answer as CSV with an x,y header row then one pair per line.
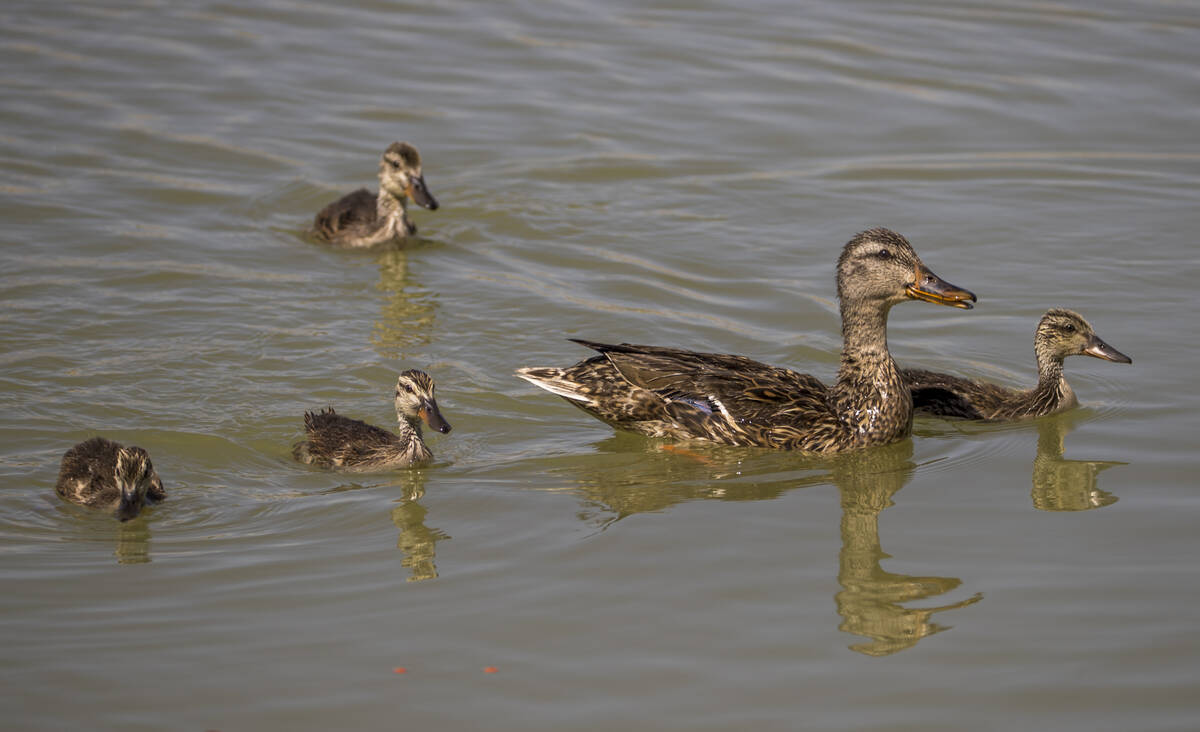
x,y
490,669
399,670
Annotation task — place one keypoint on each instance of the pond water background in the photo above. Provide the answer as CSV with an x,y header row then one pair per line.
x,y
675,173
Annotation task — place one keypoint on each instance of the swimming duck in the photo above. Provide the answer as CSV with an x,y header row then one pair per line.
x,y
733,400
335,441
1060,333
105,474
363,219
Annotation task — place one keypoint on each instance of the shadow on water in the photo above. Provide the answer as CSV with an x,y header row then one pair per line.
x,y
1060,484
407,309
627,477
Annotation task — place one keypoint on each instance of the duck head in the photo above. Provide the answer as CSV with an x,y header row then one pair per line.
x,y
1063,333
415,400
400,175
134,476
879,266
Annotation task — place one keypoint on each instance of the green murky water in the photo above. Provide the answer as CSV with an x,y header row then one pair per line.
x,y
673,173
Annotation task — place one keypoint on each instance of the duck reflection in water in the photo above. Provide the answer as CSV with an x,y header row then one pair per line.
x,y
1065,485
406,312
133,542
871,597
870,601
417,542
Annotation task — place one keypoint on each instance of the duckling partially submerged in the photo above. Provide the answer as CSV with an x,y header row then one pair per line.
x,y
1060,333
363,219
334,441
104,474
667,392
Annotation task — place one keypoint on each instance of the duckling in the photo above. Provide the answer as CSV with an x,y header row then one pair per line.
x,y
360,219
1060,333
732,400
104,474
335,441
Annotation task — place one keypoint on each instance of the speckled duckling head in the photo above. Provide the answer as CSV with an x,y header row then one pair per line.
x,y
1063,333
400,175
415,401
879,267
134,477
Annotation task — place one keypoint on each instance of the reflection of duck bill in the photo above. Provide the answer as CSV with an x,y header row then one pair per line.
x,y
929,287
1097,348
129,507
419,193
433,417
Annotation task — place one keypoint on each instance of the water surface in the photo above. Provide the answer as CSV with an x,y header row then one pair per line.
x,y
672,173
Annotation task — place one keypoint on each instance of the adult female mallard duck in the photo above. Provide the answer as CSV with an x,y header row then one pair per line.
x,y
1060,333
363,219
334,441
667,392
104,474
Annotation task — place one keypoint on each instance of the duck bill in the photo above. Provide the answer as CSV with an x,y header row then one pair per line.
x,y
129,507
1097,348
432,416
929,287
418,192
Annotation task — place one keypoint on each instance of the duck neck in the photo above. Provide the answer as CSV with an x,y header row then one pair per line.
x,y
392,212
1052,393
411,429
413,444
869,396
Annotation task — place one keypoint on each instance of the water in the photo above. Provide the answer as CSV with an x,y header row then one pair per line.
x,y
678,174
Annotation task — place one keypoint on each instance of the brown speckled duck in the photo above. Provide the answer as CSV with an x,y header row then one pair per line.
x,y
104,474
733,400
1060,333
334,441
363,219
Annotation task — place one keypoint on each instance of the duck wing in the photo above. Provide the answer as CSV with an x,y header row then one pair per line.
x,y
352,211
340,440
717,396
946,395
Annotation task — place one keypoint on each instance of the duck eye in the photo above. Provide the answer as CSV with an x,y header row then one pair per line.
x,y
883,254
408,389
396,164
1069,328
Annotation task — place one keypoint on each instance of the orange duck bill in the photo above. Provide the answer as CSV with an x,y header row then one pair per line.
x,y
432,416
929,287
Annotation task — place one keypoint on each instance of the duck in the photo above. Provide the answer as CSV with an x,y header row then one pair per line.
x,y
733,400
104,474
1060,333
334,441
363,219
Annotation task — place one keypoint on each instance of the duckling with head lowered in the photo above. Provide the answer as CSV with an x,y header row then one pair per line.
x,y
334,441
667,392
360,219
105,474
1060,333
